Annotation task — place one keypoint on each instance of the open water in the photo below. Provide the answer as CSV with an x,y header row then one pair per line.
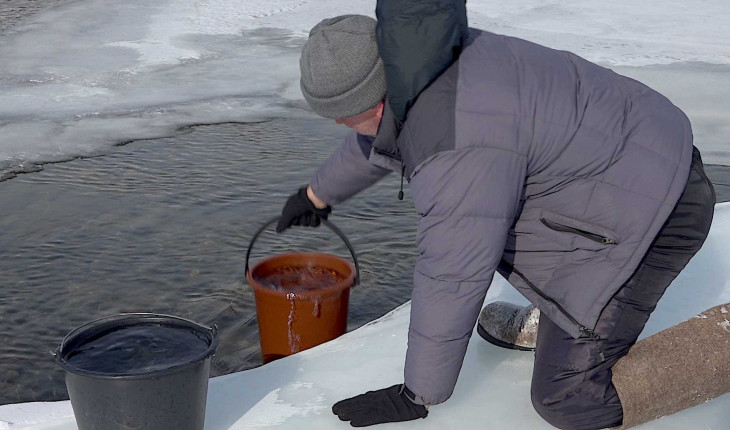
x,y
163,226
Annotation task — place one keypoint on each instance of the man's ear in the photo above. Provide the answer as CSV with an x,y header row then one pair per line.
x,y
380,107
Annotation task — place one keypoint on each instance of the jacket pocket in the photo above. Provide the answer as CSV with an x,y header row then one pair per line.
x,y
564,224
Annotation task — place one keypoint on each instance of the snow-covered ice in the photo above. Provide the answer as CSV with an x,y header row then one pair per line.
x,y
493,391
80,77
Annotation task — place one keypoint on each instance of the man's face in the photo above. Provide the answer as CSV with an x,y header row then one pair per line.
x,y
367,122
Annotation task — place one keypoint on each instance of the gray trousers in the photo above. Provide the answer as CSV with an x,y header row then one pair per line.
x,y
571,381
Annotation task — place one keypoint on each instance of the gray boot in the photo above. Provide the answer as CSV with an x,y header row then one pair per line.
x,y
509,325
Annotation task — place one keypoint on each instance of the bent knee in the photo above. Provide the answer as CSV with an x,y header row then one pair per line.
x,y
547,410
571,412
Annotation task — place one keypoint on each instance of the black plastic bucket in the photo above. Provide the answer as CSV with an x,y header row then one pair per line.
x,y
166,391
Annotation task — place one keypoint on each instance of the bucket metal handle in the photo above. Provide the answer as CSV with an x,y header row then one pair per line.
x,y
329,224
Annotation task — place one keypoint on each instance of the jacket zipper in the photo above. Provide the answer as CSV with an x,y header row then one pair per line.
x,y
587,234
402,174
583,329
402,168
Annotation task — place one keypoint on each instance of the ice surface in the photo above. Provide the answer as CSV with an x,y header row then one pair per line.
x,y
78,78
493,391
619,32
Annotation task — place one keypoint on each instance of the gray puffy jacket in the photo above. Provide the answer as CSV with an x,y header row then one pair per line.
x,y
527,160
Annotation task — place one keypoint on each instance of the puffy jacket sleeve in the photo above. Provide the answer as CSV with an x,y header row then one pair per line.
x,y
467,199
347,171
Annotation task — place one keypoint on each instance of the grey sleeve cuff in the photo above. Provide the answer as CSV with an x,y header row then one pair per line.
x,y
420,400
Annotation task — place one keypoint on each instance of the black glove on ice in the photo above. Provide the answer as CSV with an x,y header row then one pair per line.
x,y
299,210
388,405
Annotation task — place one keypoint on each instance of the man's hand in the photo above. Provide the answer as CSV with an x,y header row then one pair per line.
x,y
299,210
382,406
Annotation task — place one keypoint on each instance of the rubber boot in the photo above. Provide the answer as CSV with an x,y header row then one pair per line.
x,y
675,369
509,326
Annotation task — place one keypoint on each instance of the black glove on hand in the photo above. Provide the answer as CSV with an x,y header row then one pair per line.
x,y
299,210
388,405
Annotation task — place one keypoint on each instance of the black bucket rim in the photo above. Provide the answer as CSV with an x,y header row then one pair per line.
x,y
112,321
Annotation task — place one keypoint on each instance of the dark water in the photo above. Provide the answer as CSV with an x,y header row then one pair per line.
x,y
163,226
138,349
14,11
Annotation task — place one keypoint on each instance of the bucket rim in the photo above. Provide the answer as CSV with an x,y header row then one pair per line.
x,y
148,317
324,221
337,288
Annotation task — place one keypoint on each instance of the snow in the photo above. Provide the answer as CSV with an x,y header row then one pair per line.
x,y
493,389
620,32
81,77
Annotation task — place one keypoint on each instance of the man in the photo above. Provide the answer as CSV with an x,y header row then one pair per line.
x,y
580,186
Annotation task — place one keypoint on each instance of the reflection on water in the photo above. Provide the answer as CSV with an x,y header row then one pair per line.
x,y
163,226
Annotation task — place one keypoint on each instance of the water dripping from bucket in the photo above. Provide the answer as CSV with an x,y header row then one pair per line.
x,y
293,337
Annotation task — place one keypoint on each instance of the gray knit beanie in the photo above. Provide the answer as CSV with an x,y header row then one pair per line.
x,y
342,73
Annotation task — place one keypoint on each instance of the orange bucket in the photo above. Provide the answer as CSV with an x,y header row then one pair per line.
x,y
301,298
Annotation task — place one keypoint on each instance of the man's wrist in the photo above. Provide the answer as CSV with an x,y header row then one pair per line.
x,y
316,201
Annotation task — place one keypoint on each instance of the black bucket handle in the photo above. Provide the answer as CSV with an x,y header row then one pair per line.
x,y
329,224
